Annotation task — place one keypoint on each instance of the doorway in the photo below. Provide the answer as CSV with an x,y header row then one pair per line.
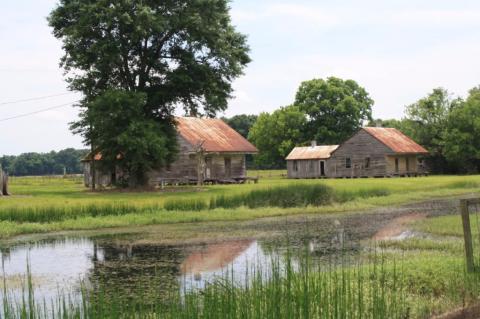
x,y
322,168
228,167
208,167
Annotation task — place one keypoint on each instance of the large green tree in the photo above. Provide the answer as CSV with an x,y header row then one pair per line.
x,y
175,52
426,121
336,108
461,138
134,143
276,134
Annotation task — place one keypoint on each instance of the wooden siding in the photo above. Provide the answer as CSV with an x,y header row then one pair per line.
x,y
306,168
413,166
359,148
101,177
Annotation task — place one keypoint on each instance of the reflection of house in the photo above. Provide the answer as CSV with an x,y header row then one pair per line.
x,y
214,256
371,152
223,154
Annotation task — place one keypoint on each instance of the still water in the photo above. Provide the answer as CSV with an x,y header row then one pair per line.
x,y
67,264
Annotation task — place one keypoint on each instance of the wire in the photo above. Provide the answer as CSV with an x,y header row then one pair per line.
x,y
38,111
36,98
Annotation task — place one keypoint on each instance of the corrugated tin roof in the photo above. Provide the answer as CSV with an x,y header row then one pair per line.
x,y
215,134
311,152
395,140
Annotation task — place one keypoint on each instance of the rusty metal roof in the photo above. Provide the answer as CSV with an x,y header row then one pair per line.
x,y
395,140
215,134
311,152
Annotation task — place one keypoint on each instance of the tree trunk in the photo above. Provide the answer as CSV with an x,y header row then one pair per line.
x,y
200,164
92,168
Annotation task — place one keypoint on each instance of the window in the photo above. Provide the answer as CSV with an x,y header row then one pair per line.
x,y
367,162
348,162
396,165
295,166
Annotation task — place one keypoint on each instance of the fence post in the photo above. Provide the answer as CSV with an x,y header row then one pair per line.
x,y
467,234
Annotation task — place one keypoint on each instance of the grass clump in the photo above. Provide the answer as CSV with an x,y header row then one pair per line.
x,y
346,196
185,205
46,214
296,195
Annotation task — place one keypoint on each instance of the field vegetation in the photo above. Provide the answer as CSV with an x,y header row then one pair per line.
x,y
42,204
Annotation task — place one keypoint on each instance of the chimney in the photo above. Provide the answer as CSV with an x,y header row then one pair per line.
x,y
314,143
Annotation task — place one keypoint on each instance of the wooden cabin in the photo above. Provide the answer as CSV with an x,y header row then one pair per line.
x,y
377,152
309,161
222,150
371,152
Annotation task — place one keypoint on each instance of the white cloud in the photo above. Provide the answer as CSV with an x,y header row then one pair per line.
x,y
451,18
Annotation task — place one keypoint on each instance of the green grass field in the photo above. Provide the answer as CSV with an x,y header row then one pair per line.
x,y
45,204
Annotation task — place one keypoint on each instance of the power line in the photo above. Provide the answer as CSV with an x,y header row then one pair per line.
x,y
38,111
35,98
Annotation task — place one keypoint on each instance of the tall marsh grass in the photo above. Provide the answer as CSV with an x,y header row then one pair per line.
x,y
295,195
47,214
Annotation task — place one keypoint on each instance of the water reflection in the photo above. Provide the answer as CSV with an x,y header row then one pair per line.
x,y
120,267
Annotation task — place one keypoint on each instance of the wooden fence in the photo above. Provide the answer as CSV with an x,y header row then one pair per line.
x,y
467,206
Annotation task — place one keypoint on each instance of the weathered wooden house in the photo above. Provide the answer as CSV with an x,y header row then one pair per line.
x,y
220,148
309,161
371,152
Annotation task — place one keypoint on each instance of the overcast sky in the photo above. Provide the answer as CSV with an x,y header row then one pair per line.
x,y
398,50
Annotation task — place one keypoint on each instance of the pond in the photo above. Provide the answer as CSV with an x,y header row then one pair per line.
x,y
138,264
120,263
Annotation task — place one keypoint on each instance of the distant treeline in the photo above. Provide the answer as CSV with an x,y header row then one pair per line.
x,y
36,164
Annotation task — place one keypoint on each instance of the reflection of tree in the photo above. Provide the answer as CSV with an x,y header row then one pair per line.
x,y
140,272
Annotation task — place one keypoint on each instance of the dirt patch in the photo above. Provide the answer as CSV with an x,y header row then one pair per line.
x,y
397,226
472,312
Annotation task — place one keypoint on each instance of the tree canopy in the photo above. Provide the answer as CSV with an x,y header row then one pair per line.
x,y
176,53
335,108
426,121
461,137
276,134
241,123
125,137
